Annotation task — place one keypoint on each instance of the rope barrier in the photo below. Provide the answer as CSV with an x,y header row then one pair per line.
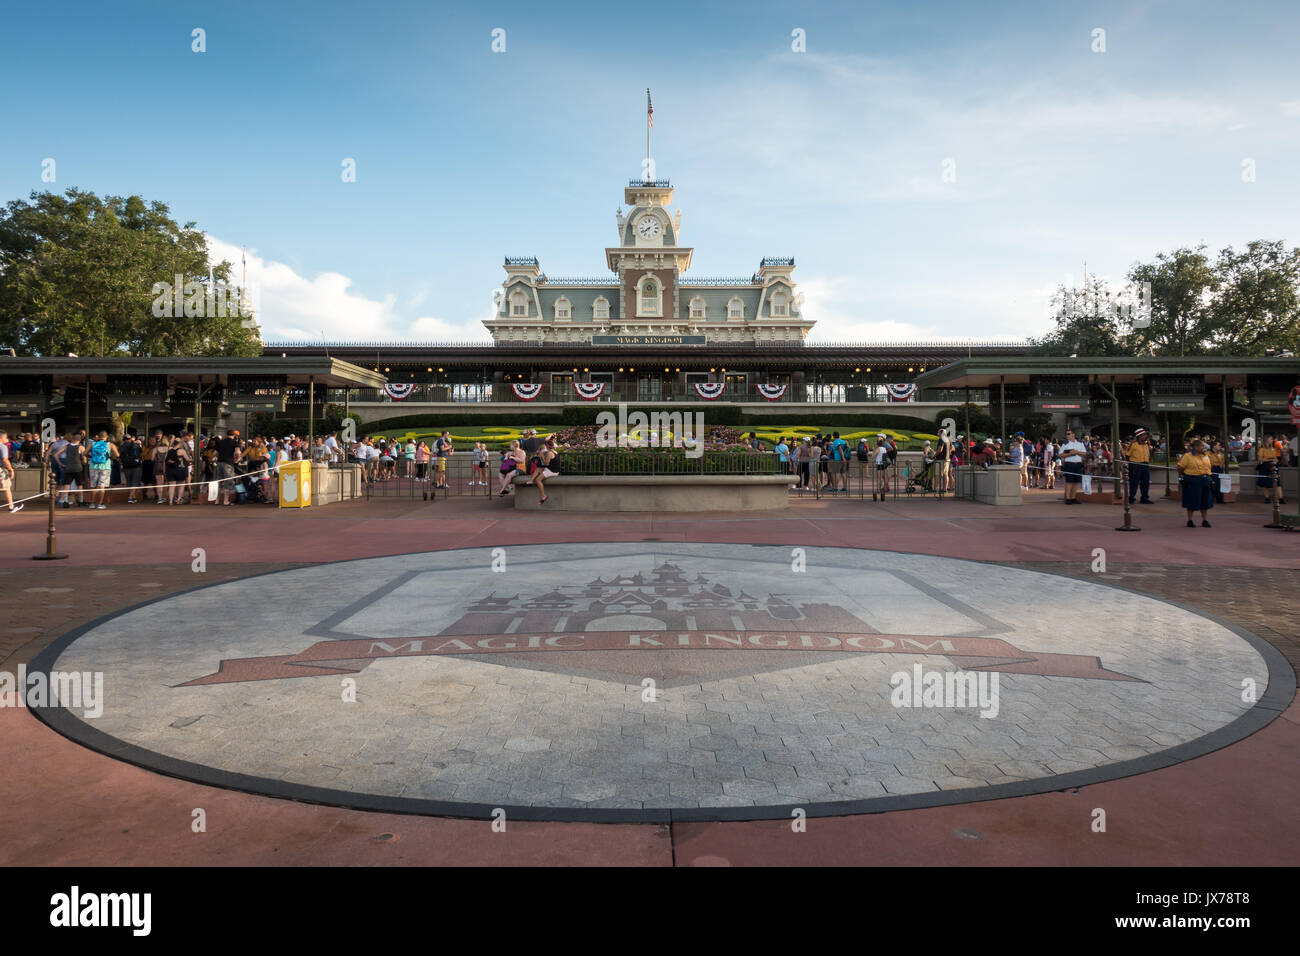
x,y
81,490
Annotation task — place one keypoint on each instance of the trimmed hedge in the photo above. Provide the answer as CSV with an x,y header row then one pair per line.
x,y
664,461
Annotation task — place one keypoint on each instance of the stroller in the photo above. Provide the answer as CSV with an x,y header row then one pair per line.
x,y
923,481
250,490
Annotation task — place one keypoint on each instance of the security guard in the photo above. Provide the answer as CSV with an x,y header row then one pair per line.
x,y
1266,458
1138,453
1195,468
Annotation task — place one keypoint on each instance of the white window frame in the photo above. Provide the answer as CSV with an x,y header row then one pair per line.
x,y
704,308
517,298
563,303
735,300
658,309
780,303
596,308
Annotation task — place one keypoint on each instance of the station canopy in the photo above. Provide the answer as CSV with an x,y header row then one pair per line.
x,y
984,372
295,370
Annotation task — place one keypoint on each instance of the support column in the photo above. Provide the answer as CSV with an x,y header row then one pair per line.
x,y
1002,403
1169,454
195,457
1121,464
966,450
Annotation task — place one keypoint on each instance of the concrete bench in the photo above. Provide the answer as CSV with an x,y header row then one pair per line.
x,y
657,493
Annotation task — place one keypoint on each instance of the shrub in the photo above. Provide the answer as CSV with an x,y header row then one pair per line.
x,y
735,460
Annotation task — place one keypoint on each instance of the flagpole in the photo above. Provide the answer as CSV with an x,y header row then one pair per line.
x,y
648,114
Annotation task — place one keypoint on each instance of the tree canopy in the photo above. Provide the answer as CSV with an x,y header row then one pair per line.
x,y
79,274
1243,302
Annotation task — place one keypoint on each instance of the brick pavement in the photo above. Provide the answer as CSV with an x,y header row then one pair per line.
x,y
1244,784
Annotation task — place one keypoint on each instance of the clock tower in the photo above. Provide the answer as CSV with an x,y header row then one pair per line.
x,y
649,259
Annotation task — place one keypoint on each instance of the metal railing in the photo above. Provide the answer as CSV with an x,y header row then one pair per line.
x,y
904,479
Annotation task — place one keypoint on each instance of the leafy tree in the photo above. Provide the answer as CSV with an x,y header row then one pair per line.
x,y
1257,308
1183,321
78,274
1086,323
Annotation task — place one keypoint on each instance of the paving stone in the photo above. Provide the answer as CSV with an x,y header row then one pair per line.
x,y
816,730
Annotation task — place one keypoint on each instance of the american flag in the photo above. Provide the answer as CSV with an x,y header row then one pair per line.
x,y
649,109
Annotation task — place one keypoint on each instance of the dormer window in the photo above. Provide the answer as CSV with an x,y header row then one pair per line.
x,y
518,302
735,309
563,309
698,308
780,303
600,308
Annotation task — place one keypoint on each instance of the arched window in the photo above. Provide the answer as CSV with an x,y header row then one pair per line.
x,y
698,308
518,302
648,296
780,303
600,308
736,309
563,310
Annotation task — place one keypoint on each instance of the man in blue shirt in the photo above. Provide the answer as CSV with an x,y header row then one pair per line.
x,y
783,451
1016,455
839,464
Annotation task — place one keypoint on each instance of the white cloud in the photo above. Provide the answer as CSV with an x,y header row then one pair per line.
x,y
290,307
889,311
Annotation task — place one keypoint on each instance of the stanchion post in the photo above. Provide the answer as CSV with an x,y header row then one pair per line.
x,y
1128,513
1277,507
51,549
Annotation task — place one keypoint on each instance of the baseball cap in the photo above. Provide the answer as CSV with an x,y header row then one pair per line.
x,y
235,433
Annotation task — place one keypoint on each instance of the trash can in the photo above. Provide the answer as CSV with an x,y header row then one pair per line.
x,y
295,484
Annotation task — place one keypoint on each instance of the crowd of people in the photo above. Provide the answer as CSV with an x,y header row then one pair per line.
x,y
169,468
163,467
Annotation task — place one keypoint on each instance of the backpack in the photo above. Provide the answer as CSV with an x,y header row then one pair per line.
x,y
99,453
892,453
863,453
71,458
131,454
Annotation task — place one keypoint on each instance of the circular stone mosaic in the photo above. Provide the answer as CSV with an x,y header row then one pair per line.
x,y
641,681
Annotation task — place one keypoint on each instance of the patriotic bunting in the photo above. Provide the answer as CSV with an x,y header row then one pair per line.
x,y
398,391
526,392
589,391
901,393
773,393
710,391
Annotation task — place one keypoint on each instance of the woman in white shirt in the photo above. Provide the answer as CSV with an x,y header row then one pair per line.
x,y
882,468
1073,453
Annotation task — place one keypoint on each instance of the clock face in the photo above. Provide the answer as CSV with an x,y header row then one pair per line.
x,y
648,227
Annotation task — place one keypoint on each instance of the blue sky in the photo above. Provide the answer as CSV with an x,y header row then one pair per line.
x,y
833,155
